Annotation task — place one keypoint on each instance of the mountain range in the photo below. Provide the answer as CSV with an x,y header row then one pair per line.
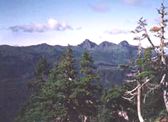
x,y
17,67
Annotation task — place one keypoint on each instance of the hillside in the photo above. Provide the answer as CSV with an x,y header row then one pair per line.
x,y
17,66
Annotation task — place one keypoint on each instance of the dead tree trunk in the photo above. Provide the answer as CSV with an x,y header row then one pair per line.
x,y
139,104
165,94
163,13
137,92
85,119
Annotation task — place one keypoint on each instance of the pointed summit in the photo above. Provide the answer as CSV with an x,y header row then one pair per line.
x,y
106,44
124,43
87,44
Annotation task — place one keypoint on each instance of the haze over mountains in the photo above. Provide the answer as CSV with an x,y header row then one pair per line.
x,y
17,66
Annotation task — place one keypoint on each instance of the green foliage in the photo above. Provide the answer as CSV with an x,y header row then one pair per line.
x,y
41,75
54,99
65,69
89,89
140,62
44,106
69,95
144,63
86,63
64,76
114,103
65,96
145,74
42,68
17,65
153,105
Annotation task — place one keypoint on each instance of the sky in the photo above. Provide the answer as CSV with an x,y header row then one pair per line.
x,y
63,22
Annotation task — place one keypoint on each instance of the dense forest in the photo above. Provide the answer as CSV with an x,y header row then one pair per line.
x,y
71,91
18,68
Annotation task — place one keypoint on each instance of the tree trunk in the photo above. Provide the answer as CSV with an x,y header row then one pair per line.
x,y
85,119
139,104
165,97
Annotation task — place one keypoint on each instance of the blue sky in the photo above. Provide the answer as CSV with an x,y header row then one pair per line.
x,y
29,22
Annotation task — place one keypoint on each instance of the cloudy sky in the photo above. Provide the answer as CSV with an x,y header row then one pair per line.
x,y
29,22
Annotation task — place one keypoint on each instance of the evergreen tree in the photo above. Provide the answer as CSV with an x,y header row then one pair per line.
x,y
41,74
64,77
65,69
115,108
54,102
151,77
42,69
89,89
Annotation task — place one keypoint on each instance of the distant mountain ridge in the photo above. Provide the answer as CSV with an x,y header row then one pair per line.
x,y
17,66
87,44
106,44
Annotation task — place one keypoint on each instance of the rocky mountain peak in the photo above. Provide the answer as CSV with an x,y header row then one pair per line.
x,y
124,43
106,44
87,44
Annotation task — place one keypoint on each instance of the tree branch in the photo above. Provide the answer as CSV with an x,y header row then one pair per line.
x,y
147,80
163,78
133,90
129,98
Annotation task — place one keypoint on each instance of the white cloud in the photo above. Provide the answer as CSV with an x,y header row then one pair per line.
x,y
52,24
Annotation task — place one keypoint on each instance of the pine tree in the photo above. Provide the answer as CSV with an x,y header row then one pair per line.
x,y
42,69
54,102
65,69
115,108
41,74
65,78
89,89
151,77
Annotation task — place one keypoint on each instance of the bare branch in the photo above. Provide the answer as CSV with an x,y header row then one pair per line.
x,y
150,90
141,28
132,91
149,39
154,88
163,78
129,98
147,80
